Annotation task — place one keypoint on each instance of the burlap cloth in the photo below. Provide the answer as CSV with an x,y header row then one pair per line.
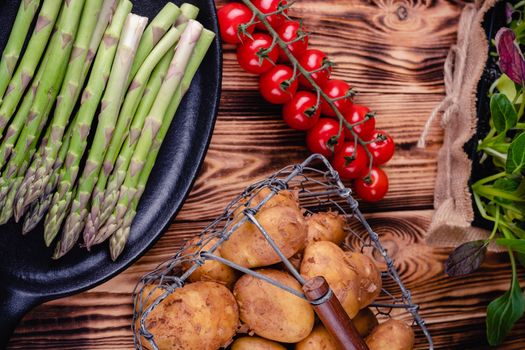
x,y
451,224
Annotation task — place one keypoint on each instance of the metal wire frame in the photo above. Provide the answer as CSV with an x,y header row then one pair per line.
x,y
319,189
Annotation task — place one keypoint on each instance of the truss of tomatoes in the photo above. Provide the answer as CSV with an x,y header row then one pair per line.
x,y
302,110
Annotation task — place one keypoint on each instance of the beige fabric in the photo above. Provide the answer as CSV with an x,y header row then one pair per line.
x,y
463,69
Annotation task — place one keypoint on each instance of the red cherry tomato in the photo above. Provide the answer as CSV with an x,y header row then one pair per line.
x,y
356,114
336,89
349,164
247,54
382,148
300,113
288,32
230,17
373,187
275,85
313,60
269,6
322,137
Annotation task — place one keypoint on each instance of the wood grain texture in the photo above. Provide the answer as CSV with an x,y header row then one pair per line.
x,y
452,307
392,51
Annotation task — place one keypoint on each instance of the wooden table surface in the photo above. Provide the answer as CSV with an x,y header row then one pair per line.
x,y
392,52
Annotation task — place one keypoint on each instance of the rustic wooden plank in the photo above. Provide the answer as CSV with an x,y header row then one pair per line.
x,y
403,85
251,141
452,307
392,52
379,46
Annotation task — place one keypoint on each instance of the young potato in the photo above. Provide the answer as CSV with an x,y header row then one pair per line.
x,y
365,321
198,316
369,277
148,295
329,226
391,335
326,259
272,312
296,261
211,270
285,198
248,247
319,339
255,343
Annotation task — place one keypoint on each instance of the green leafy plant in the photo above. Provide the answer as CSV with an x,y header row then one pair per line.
x,y
500,197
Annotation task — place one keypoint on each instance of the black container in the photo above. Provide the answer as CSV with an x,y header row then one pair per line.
x,y
494,20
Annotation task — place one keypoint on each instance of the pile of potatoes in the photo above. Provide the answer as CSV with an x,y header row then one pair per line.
x,y
221,308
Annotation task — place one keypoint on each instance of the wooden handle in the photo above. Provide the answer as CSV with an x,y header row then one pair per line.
x,y
333,316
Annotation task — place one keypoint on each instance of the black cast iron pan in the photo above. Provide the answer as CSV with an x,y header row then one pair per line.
x,y
29,277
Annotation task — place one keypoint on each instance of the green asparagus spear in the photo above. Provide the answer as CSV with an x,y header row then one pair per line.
x,y
110,196
111,103
60,50
164,20
119,238
13,131
104,18
25,70
18,122
50,178
11,187
129,108
187,12
90,100
13,48
39,208
71,88
154,120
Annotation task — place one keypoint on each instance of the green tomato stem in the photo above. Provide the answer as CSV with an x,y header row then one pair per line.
x,y
307,75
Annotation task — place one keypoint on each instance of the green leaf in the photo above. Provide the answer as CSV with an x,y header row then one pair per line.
x,y
507,87
516,156
508,184
504,312
516,245
503,113
466,258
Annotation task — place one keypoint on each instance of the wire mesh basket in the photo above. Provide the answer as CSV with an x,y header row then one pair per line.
x,y
319,188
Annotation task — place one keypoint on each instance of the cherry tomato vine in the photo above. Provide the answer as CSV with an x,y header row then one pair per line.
x,y
274,46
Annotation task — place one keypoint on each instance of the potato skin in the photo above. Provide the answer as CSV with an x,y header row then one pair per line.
x,y
271,312
211,270
391,335
198,316
326,259
365,321
327,226
319,339
285,198
255,343
248,247
149,294
369,277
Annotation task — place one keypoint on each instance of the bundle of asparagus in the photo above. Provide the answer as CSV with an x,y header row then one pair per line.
x,y
136,74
